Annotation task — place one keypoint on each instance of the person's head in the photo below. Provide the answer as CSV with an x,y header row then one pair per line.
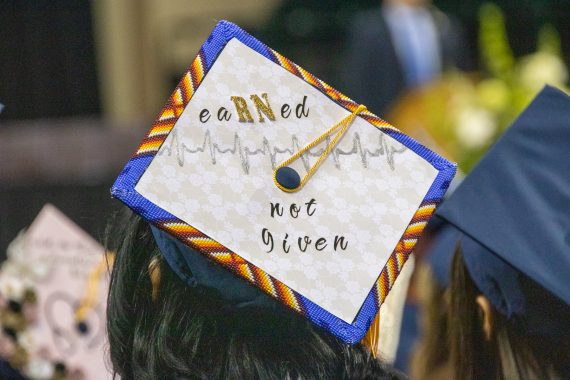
x,y
486,344
430,359
431,354
509,311
161,328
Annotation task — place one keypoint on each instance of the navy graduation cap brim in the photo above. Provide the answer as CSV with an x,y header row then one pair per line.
x,y
516,203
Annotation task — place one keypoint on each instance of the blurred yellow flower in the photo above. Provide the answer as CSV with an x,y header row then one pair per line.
x,y
542,68
493,94
461,115
475,127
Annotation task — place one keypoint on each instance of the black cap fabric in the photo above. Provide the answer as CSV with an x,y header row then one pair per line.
x,y
516,203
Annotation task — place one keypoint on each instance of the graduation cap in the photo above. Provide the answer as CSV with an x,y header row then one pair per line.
x,y
54,279
260,179
513,214
440,254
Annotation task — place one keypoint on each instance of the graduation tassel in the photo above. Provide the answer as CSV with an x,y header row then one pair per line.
x,y
287,179
90,298
371,340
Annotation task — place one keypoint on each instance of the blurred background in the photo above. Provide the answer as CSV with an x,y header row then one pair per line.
x,y
82,80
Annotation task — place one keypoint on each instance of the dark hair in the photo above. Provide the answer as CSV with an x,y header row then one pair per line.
x,y
509,353
188,332
430,358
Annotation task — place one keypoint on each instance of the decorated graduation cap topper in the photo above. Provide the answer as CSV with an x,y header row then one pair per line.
x,y
328,235
53,280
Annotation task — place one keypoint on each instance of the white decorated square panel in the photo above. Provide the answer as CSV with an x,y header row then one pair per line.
x,y
330,240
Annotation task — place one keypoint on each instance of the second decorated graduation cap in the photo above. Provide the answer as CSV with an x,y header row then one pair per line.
x,y
265,170
513,214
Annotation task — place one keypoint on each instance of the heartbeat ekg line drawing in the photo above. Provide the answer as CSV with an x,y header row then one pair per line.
x,y
213,149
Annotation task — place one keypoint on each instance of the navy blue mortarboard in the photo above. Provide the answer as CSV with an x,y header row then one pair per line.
x,y
514,212
440,254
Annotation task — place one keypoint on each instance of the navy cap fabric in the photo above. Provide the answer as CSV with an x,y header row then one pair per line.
x,y
494,277
196,270
440,254
530,307
516,203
